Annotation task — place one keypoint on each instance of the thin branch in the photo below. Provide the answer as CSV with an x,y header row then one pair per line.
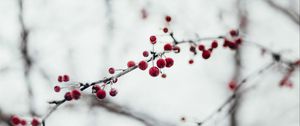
x,y
25,55
121,110
286,11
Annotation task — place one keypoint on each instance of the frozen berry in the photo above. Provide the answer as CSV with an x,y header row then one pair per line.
x,y
168,47
191,61
238,41
153,39
35,122
75,94
113,92
206,54
111,70
130,64
57,88
168,18
214,44
96,88
143,65
176,49
232,85
154,71
101,94
66,78
145,53
233,33
163,75
169,62
165,30
23,122
15,120
68,96
201,47
60,79
160,63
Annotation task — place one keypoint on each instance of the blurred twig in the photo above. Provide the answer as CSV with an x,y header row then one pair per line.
x,y
286,11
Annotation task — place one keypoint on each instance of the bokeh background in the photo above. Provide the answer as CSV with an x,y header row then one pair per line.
x,y
83,38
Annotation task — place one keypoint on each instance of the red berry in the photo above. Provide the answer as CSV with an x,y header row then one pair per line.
x,y
101,94
176,49
130,64
232,85
233,33
153,39
206,54
113,92
23,122
232,45
111,70
226,42
35,122
165,30
214,44
201,47
191,61
163,75
66,78
160,63
238,41
145,53
68,96
143,65
169,62
56,88
168,47
15,120
154,71
96,88
168,18
60,79
75,94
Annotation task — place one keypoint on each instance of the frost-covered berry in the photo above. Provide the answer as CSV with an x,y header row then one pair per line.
x,y
176,49
113,92
111,70
160,63
145,53
130,64
233,33
35,122
66,78
169,62
206,54
153,39
214,44
75,94
96,88
23,122
168,18
191,61
60,78
101,94
164,75
57,88
168,47
201,47
154,71
165,30
15,120
68,96
143,65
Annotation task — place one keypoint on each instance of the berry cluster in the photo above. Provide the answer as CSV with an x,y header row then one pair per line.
x,y
233,41
17,121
